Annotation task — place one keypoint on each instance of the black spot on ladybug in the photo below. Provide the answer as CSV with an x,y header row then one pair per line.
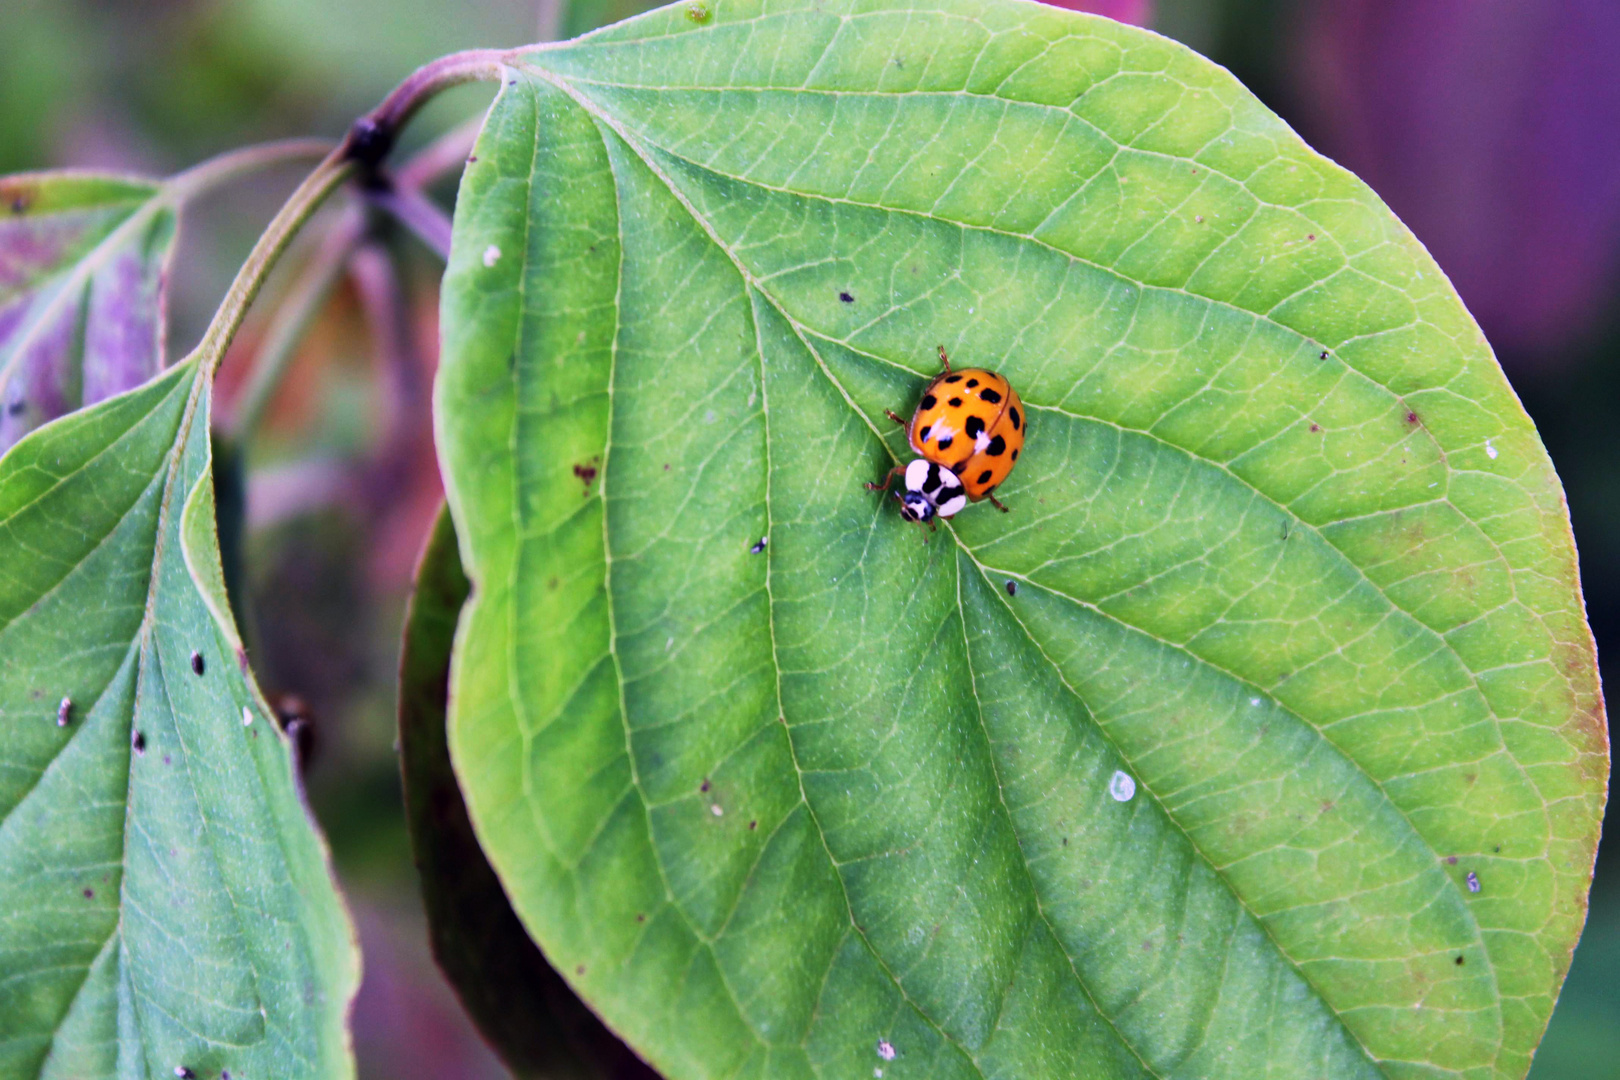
x,y
1012,587
974,427
953,378
846,298
928,401
989,395
139,742
945,444
955,403
984,477
1012,411
997,447
971,383
1015,455
197,665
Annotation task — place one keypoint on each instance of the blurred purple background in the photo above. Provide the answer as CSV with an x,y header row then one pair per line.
x,y
1492,127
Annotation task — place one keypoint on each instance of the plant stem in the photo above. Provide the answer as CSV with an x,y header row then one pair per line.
x,y
367,143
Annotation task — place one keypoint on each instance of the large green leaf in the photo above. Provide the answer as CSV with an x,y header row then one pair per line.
x,y
519,1002
84,261
1285,559
166,908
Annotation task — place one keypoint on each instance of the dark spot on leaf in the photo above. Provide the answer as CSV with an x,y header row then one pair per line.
x,y
166,760
666,466
139,742
184,1073
1497,849
641,916
846,298
928,401
89,894
1459,961
1316,427
955,403
984,477
553,583
990,395
1451,860
1012,587
945,444
586,471
1324,355
758,545
1311,236
580,970
1411,417
472,159
197,664
753,824
1065,841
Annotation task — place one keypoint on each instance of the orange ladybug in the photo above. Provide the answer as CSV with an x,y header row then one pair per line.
x,y
970,422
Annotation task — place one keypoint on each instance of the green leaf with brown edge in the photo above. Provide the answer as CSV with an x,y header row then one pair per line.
x,y
1262,738
519,1002
84,262
166,906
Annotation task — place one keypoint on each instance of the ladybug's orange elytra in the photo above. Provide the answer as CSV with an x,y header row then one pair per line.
x,y
970,422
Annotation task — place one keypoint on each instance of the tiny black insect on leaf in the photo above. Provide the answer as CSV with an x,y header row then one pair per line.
x,y
197,665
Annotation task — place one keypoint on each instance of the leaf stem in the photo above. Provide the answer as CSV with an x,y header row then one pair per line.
x,y
361,152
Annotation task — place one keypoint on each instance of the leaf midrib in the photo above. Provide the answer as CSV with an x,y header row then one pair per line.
x,y
564,84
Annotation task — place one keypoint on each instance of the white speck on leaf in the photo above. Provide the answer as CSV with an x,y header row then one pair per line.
x,y
492,255
1255,702
885,1050
1122,787
247,716
1490,451
708,417
715,810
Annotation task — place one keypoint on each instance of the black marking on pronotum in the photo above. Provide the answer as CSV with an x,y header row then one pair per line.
x,y
928,401
984,477
1012,587
64,712
139,742
197,665
997,447
989,395
932,481
973,427
758,545
846,298
1473,882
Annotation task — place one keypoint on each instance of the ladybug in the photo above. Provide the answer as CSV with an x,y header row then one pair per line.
x,y
968,431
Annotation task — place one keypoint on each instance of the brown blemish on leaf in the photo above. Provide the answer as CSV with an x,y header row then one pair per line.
x,y
587,472
1411,417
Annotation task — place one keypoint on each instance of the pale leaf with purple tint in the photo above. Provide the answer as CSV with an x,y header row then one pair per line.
x,y
83,271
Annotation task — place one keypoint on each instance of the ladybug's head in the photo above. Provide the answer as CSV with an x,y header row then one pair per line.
x,y
915,506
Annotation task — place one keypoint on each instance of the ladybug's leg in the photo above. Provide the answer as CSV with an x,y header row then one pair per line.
x,y
944,360
881,484
996,503
892,415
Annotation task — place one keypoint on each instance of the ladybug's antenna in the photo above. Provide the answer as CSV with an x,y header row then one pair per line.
x,y
945,360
